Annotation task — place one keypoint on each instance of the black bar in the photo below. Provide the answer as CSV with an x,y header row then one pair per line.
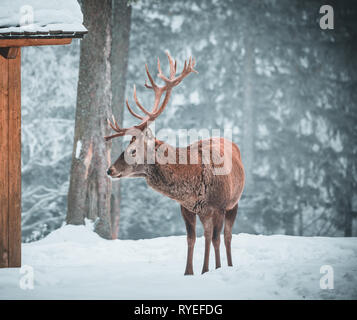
x,y
187,309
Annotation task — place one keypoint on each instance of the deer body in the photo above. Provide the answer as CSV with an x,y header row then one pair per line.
x,y
195,186
186,175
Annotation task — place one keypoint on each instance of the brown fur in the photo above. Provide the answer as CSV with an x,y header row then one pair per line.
x,y
214,198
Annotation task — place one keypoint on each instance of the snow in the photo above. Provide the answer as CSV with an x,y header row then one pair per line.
x,y
195,97
176,23
78,148
73,262
40,15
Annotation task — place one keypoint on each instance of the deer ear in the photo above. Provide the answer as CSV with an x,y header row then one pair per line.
x,y
149,134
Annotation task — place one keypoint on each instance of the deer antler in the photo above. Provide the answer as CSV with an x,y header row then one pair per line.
x,y
170,83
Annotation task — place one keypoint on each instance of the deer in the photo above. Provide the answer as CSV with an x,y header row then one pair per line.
x,y
194,184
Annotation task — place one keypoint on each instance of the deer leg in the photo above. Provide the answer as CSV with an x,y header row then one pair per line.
x,y
190,222
229,220
216,237
208,231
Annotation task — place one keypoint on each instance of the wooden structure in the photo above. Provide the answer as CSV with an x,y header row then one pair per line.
x,y
10,134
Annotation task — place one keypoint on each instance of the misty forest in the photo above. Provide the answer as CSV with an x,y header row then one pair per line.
x,y
285,87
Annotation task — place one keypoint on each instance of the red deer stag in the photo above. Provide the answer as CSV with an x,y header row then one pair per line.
x,y
194,184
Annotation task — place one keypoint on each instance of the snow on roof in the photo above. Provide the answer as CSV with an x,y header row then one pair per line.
x,y
40,18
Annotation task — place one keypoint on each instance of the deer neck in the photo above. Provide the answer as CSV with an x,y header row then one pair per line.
x,y
160,175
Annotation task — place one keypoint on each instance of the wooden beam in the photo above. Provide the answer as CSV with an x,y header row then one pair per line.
x,y
9,53
33,42
10,161
4,162
15,161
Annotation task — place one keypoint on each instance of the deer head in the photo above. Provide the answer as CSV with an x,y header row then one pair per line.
x,y
134,159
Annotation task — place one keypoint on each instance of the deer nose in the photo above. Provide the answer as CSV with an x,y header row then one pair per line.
x,y
109,171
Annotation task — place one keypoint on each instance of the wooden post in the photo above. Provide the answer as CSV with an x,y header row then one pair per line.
x,y
10,157
10,143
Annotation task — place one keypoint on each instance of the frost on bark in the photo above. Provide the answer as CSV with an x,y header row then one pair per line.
x,y
90,188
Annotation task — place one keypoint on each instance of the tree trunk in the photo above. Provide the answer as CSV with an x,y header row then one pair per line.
x,y
90,188
248,115
348,201
119,60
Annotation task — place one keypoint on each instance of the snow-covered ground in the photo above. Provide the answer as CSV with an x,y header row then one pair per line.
x,y
73,262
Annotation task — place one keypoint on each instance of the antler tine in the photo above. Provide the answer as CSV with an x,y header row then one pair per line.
x,y
187,69
172,68
138,103
115,124
115,127
158,90
159,65
170,83
184,67
132,112
107,138
153,84
147,85
193,65
111,125
172,65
